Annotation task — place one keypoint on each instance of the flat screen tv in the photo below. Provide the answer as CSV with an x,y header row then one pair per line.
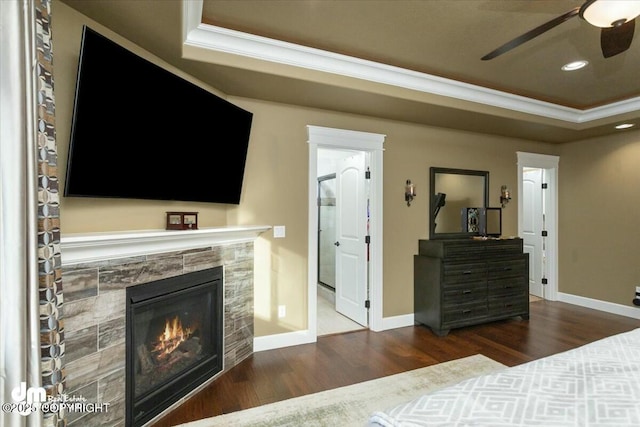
x,y
141,132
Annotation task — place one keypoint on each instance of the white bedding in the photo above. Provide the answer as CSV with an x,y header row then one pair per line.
x,y
597,384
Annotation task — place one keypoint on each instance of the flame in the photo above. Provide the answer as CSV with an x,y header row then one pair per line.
x,y
172,336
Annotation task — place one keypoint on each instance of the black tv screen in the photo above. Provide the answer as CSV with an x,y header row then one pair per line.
x,y
141,132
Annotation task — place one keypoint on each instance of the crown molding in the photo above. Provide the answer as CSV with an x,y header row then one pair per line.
x,y
218,39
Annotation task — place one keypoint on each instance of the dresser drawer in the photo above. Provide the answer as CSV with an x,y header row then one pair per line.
x,y
464,292
507,286
462,313
510,305
503,248
464,272
507,268
459,251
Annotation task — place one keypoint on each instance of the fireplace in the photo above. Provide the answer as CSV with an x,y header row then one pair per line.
x,y
173,340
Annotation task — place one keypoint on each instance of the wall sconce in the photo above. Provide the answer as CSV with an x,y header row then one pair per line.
x,y
409,192
505,195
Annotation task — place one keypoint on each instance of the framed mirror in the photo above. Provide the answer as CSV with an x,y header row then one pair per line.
x,y
452,192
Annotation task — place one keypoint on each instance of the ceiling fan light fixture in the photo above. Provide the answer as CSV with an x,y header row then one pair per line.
x,y
609,13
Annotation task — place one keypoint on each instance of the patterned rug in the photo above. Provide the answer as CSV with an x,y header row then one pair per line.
x,y
353,405
595,385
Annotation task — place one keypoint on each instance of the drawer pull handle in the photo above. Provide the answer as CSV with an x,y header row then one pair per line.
x,y
466,311
506,269
466,291
466,272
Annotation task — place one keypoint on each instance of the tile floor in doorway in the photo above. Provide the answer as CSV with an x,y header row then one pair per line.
x,y
533,298
329,320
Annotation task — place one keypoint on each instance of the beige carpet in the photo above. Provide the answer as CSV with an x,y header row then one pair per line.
x,y
352,405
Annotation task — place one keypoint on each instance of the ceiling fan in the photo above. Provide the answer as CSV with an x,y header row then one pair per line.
x,y
616,18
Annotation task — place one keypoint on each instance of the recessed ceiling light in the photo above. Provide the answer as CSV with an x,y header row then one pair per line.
x,y
625,126
575,65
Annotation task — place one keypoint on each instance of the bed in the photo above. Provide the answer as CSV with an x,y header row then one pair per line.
x,y
597,384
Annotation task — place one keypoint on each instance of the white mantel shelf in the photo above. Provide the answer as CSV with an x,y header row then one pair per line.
x,y
77,248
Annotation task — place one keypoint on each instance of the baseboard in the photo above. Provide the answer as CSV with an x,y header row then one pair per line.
x,y
397,321
595,304
287,339
270,342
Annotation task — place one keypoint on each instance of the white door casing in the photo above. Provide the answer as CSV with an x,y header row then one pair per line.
x,y
532,223
351,231
371,143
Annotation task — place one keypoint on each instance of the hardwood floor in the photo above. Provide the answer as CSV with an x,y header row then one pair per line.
x,y
343,359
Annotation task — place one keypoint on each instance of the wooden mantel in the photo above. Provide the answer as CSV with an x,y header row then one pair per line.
x,y
89,247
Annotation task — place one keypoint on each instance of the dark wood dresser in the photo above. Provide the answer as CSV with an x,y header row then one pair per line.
x,y
459,283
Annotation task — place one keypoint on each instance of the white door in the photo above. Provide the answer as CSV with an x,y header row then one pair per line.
x,y
532,226
351,231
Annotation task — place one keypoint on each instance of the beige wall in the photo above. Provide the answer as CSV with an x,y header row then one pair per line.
x,y
80,215
596,260
409,152
599,207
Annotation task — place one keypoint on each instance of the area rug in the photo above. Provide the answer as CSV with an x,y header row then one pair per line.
x,y
353,405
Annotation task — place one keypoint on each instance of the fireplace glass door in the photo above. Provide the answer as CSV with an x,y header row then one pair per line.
x,y
174,340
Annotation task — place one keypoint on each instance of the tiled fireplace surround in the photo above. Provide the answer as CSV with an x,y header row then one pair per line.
x,y
96,269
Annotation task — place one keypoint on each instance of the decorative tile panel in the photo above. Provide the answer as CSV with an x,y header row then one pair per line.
x,y
52,333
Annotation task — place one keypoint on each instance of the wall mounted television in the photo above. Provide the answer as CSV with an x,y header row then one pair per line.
x,y
141,132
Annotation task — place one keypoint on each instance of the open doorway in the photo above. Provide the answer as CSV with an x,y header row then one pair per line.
x,y
342,231
358,223
537,221
326,228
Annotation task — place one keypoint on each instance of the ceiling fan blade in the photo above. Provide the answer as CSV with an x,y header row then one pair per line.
x,y
616,40
531,34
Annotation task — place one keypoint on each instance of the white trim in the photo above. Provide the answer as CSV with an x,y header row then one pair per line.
x,y
270,342
345,139
78,248
287,339
595,304
312,250
401,321
376,284
550,165
351,140
220,39
534,160
191,16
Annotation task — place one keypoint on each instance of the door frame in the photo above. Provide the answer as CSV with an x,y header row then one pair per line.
x,y
549,164
331,138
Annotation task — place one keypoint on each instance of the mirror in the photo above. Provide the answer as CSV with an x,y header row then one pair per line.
x,y
453,190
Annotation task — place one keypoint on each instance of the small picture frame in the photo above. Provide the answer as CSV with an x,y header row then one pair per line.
x,y
182,220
